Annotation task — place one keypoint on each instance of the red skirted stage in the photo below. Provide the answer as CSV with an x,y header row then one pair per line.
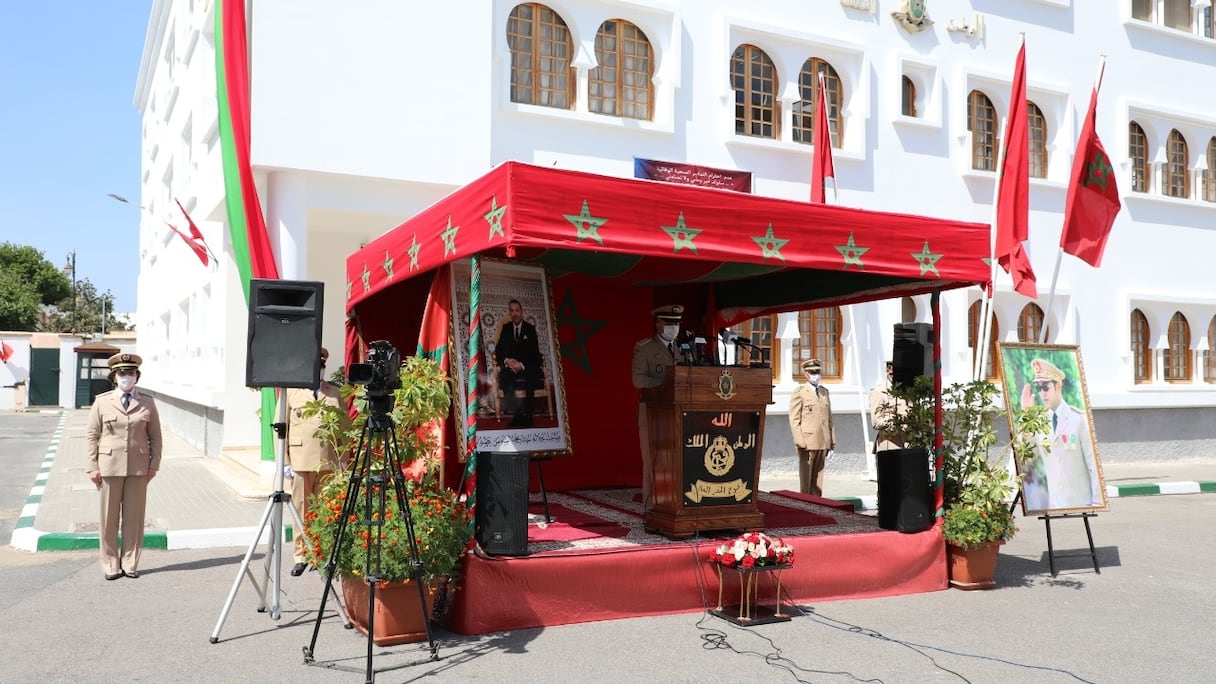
x,y
595,562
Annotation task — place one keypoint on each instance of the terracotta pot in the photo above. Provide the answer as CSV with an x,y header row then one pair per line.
x,y
973,568
398,612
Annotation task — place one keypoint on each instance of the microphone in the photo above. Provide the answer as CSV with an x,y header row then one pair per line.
x,y
731,337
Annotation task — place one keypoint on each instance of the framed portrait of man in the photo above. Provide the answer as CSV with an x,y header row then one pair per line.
x,y
1065,474
520,393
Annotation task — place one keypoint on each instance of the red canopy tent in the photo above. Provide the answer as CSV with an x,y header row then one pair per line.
x,y
616,247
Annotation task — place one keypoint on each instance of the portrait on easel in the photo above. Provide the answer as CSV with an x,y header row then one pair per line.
x,y
521,403
1065,474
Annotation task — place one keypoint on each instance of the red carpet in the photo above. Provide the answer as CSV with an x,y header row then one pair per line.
x,y
595,562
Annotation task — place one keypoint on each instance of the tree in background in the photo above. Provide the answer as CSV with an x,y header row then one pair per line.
x,y
36,295
89,307
28,280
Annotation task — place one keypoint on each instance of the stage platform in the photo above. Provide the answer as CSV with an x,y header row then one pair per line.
x,y
594,561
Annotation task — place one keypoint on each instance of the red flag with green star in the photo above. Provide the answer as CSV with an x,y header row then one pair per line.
x,y
1093,195
434,342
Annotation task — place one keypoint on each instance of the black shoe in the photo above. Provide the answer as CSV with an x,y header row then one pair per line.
x,y
298,569
111,578
134,574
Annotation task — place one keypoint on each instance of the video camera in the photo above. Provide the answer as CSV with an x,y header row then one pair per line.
x,y
381,374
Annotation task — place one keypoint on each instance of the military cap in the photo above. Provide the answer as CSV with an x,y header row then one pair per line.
x,y
669,312
1046,370
122,360
812,365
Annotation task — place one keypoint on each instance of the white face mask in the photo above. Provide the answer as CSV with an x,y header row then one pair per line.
x,y
814,378
126,382
670,332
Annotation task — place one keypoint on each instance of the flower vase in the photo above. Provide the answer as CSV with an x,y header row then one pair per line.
x,y
399,618
972,568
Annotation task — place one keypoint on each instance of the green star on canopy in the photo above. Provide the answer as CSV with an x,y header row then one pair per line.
x,y
366,276
413,251
388,266
584,328
770,245
852,253
927,260
682,235
494,218
449,237
586,225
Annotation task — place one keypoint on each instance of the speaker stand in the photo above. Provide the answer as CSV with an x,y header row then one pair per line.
x,y
272,525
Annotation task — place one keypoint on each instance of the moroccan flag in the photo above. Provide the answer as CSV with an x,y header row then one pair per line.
x,y
1013,189
250,244
822,167
199,250
1093,196
6,352
434,342
195,234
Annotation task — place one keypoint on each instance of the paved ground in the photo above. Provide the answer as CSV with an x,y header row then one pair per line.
x,y
193,503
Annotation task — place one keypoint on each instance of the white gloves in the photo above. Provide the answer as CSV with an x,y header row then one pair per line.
x,y
288,473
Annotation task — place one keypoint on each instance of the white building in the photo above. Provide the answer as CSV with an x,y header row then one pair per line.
x,y
365,113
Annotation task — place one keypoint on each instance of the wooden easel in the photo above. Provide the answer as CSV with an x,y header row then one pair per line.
x,y
1047,518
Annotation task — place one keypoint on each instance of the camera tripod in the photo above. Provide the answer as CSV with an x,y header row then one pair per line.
x,y
377,430
272,526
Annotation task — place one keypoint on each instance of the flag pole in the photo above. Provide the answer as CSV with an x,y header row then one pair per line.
x,y
862,396
981,357
1060,252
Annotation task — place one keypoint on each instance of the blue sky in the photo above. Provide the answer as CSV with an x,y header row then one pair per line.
x,y
70,134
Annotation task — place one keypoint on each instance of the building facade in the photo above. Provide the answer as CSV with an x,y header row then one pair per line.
x,y
365,113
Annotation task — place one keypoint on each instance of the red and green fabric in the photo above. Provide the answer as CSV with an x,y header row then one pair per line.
x,y
1013,192
1093,195
250,242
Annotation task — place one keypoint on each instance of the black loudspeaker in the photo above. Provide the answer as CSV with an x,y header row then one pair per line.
x,y
905,496
502,503
911,353
284,333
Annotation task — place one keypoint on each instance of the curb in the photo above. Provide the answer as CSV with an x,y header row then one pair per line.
x,y
30,539
1152,489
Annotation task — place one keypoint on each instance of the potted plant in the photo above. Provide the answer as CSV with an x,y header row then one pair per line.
x,y
441,521
977,485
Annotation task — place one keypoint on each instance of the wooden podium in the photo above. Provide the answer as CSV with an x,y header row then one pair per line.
x,y
705,430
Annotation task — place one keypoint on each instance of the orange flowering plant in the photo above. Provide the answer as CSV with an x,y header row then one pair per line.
x,y
441,521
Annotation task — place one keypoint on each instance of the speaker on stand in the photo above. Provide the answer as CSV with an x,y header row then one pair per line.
x,y
284,333
502,503
911,353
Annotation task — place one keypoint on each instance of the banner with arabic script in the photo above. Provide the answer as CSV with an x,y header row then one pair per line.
x,y
720,451
691,174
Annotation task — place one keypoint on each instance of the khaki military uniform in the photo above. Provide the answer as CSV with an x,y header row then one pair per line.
x,y
880,417
814,434
310,458
124,445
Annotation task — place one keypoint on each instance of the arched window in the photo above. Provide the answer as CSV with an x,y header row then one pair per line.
x,y
1038,140
1177,357
1142,353
819,338
760,331
808,90
1209,174
1176,177
991,368
1030,323
907,94
981,121
622,84
541,49
1209,355
1143,9
1137,151
1207,23
754,80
